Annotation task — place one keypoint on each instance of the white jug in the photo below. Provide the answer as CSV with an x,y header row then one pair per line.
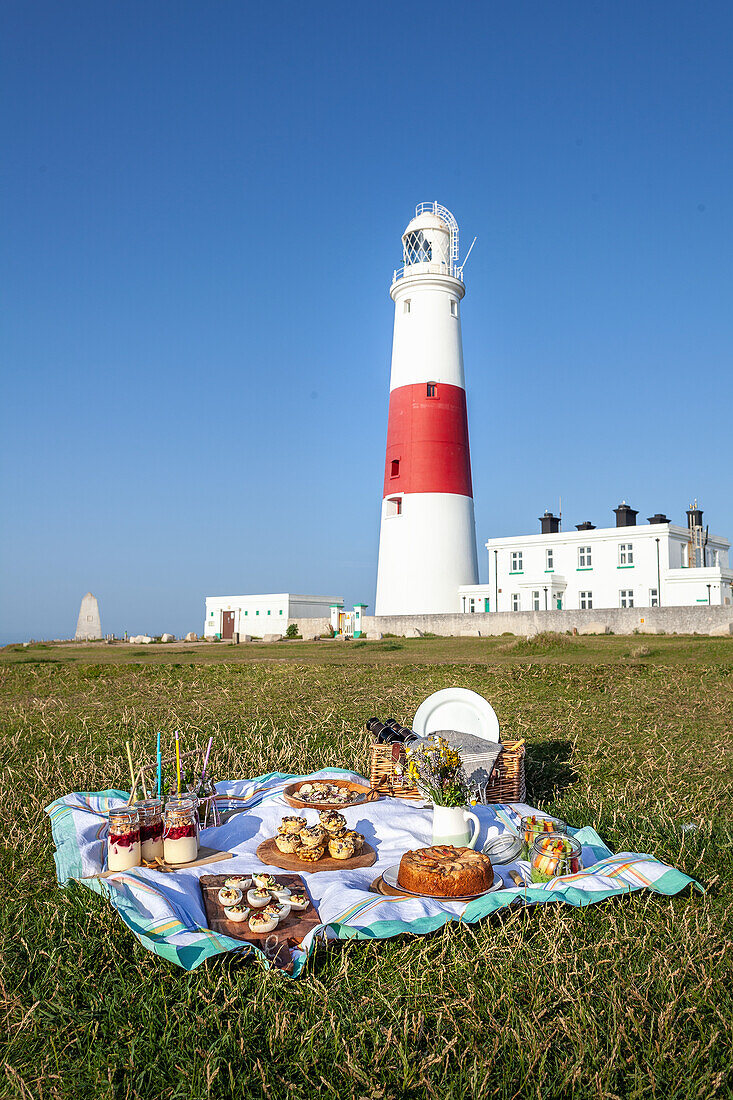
x,y
450,826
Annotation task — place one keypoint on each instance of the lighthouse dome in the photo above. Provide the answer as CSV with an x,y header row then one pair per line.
x,y
430,242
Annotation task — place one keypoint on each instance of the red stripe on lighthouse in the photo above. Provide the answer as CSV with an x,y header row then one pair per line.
x,y
427,441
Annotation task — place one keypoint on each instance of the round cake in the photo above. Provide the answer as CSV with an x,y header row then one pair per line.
x,y
445,871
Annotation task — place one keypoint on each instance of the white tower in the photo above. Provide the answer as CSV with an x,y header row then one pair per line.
x,y
427,541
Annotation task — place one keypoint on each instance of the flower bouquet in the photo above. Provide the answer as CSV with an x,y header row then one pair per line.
x,y
436,770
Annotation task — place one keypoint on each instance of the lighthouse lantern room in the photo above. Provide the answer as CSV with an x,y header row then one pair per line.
x,y
427,542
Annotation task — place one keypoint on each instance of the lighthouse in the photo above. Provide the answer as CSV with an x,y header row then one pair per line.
x,y
427,540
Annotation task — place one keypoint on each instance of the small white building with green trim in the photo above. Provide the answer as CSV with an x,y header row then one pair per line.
x,y
229,617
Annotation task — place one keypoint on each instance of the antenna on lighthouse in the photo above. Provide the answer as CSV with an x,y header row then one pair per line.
x,y
465,258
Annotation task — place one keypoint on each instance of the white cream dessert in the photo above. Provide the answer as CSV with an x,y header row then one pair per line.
x,y
237,913
150,812
180,839
258,899
229,896
123,842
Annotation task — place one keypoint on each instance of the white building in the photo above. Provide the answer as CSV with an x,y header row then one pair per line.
x,y
228,617
629,565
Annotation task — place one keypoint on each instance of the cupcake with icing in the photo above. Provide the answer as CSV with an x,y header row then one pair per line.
x,y
229,896
312,836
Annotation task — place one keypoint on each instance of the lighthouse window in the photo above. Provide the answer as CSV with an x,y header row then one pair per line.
x,y
395,467
417,249
406,306
432,389
394,506
453,308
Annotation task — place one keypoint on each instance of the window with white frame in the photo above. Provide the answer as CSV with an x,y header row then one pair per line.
x,y
586,601
515,601
516,561
654,597
406,306
393,506
453,307
626,553
549,558
472,606
584,557
626,597
535,601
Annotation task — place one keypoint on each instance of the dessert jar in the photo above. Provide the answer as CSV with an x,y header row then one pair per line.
x,y
150,811
553,855
535,825
123,841
185,802
180,844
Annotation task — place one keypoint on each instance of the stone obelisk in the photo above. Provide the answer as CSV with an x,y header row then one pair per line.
x,y
88,625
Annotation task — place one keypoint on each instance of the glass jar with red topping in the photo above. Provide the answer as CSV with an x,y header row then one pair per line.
x,y
150,811
554,855
180,832
123,841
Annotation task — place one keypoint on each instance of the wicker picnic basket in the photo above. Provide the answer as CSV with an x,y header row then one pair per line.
x,y
388,773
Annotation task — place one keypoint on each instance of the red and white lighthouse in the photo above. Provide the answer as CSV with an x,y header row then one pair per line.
x,y
427,541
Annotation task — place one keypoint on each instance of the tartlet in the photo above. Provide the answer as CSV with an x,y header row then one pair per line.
x,y
341,847
237,912
312,836
311,855
229,896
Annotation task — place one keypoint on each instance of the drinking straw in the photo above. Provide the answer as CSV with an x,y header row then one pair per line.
x,y
160,770
135,780
178,763
133,777
206,760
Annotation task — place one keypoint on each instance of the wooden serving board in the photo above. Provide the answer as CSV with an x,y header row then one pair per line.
x,y
276,945
366,794
270,854
379,886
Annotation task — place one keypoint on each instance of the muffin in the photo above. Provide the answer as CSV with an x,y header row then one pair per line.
x,y
357,839
332,821
292,824
310,855
288,842
312,836
341,847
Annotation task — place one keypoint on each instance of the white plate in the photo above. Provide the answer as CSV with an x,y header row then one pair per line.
x,y
390,877
457,709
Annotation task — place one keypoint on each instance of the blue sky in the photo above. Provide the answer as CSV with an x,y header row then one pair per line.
x,y
204,204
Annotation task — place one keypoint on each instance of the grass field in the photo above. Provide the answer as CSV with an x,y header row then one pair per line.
x,y
630,998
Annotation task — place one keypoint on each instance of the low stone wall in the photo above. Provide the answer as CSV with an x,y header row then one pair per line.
x,y
616,620
312,628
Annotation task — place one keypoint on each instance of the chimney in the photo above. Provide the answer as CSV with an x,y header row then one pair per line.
x,y
625,516
658,518
586,525
550,523
694,515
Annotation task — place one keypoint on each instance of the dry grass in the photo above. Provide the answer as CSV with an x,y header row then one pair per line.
x,y
629,998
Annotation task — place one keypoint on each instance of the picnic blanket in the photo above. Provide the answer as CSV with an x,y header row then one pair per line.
x,y
166,912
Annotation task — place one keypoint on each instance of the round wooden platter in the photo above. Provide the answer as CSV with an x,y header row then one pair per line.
x,y
366,794
270,854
